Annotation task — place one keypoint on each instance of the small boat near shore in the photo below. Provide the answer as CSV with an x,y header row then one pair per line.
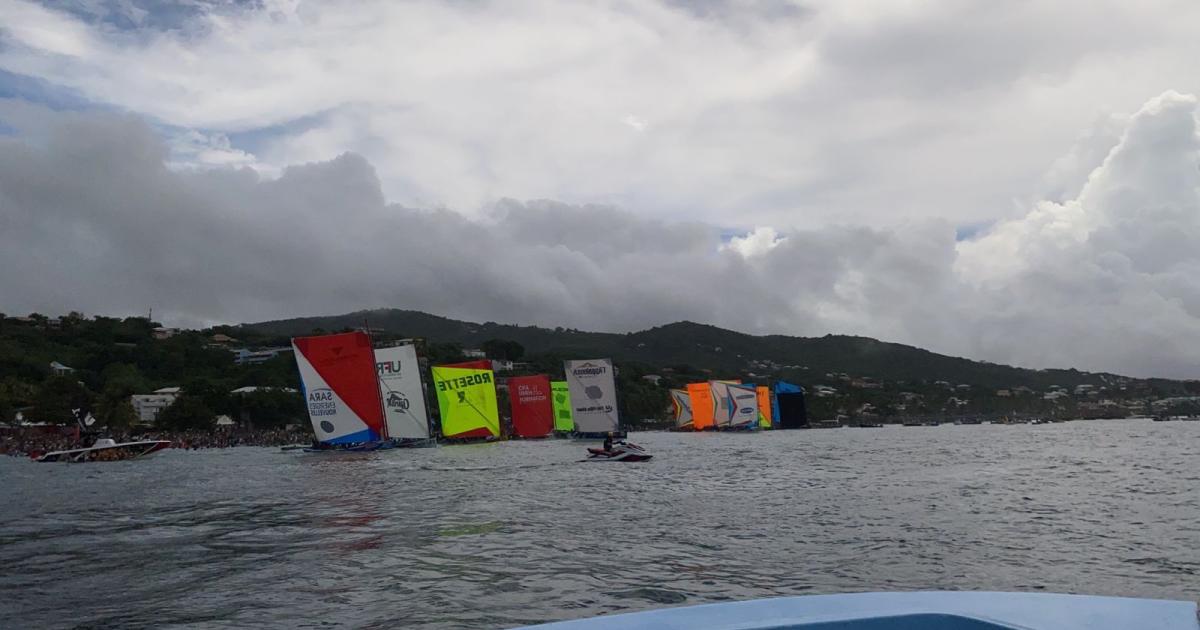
x,y
106,450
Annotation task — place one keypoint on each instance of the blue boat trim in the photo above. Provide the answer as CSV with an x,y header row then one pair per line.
x,y
933,610
366,435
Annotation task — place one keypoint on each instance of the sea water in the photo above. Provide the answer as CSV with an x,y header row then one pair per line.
x,y
498,535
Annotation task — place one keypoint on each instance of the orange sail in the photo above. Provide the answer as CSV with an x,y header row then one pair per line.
x,y
764,406
702,405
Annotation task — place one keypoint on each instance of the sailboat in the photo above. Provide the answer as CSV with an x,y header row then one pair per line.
x,y
593,393
338,376
703,406
742,413
399,373
681,402
735,405
466,394
532,407
564,421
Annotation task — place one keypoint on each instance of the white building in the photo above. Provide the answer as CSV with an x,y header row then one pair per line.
x,y
243,356
148,406
824,391
60,369
250,389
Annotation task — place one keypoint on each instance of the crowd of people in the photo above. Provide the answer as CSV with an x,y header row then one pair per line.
x,y
37,441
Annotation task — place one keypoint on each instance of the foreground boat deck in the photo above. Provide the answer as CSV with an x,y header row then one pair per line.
x,y
936,610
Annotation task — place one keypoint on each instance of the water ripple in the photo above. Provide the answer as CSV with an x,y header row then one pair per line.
x,y
521,532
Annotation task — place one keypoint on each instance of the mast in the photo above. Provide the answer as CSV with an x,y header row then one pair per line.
x,y
383,428
425,399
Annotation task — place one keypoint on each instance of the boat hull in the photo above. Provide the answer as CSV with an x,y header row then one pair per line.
x,y
619,455
111,452
908,611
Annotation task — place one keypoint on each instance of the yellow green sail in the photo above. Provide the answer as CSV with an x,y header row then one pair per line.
x,y
467,400
562,406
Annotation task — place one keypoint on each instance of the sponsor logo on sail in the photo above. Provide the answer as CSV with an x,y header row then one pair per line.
x,y
459,382
588,369
321,402
387,368
397,401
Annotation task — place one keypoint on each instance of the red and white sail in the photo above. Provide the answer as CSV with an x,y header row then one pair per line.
x,y
340,387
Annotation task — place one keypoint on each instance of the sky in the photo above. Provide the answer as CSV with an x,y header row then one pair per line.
x,y
1016,182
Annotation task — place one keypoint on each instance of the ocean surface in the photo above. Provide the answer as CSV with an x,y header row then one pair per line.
x,y
499,535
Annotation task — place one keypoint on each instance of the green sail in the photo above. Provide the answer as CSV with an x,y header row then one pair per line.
x,y
562,406
467,400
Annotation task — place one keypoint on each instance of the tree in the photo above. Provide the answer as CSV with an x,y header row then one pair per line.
x,y
502,349
116,413
122,380
189,411
7,411
58,398
270,408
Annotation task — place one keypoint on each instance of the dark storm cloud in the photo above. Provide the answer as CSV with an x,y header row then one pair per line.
x,y
93,219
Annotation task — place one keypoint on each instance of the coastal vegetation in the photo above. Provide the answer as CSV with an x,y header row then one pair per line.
x,y
53,367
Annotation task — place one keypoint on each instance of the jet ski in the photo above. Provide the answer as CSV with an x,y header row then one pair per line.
x,y
620,452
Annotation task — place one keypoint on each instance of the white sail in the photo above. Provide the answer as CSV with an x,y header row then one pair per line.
x,y
722,410
402,392
683,407
593,395
743,402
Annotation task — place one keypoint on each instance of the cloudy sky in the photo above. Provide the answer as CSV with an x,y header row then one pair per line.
x,y
1012,181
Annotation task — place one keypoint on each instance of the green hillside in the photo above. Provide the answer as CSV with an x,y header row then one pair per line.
x,y
703,346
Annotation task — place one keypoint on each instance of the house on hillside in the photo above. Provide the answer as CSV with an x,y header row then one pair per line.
x,y
222,339
250,389
243,356
148,406
60,369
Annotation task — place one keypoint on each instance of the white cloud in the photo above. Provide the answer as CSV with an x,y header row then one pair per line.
x,y
846,141
766,112
94,220
755,243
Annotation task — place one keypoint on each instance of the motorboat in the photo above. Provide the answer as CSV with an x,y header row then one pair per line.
x,y
620,452
105,450
937,610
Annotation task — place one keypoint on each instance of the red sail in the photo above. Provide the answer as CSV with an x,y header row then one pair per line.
x,y
532,407
346,363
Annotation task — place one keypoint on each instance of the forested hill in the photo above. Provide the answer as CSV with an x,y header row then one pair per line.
x,y
702,346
